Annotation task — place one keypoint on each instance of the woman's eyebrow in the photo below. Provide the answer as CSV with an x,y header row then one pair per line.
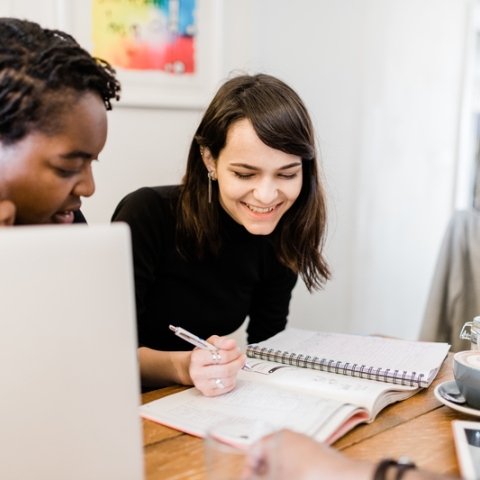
x,y
290,165
251,167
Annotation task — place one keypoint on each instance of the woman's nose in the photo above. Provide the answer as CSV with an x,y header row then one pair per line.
x,y
265,192
85,187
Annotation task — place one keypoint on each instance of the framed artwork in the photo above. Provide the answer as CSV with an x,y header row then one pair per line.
x,y
167,53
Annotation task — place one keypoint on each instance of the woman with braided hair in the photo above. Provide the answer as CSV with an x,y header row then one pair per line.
x,y
53,124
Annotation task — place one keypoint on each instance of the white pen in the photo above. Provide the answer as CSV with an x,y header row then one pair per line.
x,y
197,341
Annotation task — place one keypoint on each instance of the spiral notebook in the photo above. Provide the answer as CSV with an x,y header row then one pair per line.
x,y
370,357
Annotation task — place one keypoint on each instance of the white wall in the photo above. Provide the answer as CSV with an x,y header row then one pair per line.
x,y
382,79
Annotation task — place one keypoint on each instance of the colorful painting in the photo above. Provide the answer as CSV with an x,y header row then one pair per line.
x,y
154,35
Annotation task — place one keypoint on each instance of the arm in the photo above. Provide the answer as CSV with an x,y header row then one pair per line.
x,y
7,213
152,227
300,457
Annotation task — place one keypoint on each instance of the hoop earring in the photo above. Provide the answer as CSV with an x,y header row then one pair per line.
x,y
209,187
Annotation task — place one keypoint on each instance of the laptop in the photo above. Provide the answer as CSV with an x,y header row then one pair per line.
x,y
69,382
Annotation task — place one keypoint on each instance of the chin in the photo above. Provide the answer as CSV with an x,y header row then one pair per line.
x,y
260,229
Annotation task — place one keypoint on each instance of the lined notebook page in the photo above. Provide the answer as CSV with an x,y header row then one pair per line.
x,y
384,353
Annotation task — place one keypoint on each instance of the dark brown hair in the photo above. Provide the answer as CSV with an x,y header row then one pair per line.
x,y
281,121
42,72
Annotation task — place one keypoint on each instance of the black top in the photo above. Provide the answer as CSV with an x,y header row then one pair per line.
x,y
212,296
78,217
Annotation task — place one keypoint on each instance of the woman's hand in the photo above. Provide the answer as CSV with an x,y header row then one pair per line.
x,y
292,455
214,372
7,213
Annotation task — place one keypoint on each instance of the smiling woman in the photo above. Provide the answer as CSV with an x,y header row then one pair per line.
x,y
230,241
53,123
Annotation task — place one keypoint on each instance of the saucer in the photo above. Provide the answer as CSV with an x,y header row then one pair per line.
x,y
455,406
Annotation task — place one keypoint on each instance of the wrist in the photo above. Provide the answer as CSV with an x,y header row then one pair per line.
x,y
184,370
346,469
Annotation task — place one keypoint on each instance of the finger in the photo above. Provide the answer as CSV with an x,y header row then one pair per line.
x,y
219,386
205,377
213,387
199,370
229,369
7,213
203,357
222,343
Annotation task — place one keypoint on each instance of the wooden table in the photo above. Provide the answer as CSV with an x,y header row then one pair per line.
x,y
419,427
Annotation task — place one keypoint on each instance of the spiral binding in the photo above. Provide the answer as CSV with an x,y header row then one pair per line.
x,y
325,365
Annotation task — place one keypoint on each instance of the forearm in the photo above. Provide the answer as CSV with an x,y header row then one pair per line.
x,y
160,368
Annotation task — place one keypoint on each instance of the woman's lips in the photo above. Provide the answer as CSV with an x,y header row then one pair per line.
x,y
65,217
261,212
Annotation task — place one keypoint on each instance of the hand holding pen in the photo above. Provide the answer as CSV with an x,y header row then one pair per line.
x,y
214,366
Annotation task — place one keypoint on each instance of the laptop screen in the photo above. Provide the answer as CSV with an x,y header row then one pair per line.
x,y
68,364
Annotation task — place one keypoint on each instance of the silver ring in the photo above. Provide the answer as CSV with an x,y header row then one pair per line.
x,y
219,383
215,356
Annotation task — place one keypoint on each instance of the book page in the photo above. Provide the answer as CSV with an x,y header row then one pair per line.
x,y
194,413
361,392
366,350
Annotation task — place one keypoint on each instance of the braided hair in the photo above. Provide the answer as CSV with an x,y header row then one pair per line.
x,y
41,72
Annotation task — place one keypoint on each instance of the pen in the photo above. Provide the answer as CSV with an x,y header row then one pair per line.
x,y
197,341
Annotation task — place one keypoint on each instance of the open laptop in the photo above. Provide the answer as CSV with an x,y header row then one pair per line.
x,y
69,386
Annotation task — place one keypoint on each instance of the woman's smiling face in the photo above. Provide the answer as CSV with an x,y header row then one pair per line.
x,y
257,184
45,176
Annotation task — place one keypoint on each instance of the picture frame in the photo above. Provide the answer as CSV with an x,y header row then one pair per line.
x,y
153,88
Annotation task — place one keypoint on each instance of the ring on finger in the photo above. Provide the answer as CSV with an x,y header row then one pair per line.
x,y
219,383
215,356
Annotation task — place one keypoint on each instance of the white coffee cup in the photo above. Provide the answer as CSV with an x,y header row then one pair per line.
x,y
466,370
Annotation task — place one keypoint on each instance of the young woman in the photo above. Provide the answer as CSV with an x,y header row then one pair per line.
x,y
53,124
231,240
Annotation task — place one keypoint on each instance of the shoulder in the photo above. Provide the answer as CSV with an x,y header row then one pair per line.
x,y
148,201
153,194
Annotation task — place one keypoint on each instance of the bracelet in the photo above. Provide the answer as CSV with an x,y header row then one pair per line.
x,y
402,465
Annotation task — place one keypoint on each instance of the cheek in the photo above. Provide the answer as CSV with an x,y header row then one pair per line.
x,y
293,189
232,189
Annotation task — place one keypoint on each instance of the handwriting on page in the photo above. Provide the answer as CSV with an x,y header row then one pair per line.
x,y
279,407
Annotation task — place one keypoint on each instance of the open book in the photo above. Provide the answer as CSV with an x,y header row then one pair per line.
x,y
321,404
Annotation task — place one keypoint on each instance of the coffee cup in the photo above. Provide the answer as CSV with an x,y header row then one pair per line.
x,y
466,370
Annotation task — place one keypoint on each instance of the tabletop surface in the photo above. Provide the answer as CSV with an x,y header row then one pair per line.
x,y
419,427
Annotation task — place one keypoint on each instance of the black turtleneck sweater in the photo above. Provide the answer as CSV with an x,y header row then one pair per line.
x,y
212,296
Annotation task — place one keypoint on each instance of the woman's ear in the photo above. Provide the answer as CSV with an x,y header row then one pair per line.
x,y
208,160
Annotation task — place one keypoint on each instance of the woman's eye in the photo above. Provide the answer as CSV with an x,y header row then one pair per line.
x,y
289,177
66,173
243,176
